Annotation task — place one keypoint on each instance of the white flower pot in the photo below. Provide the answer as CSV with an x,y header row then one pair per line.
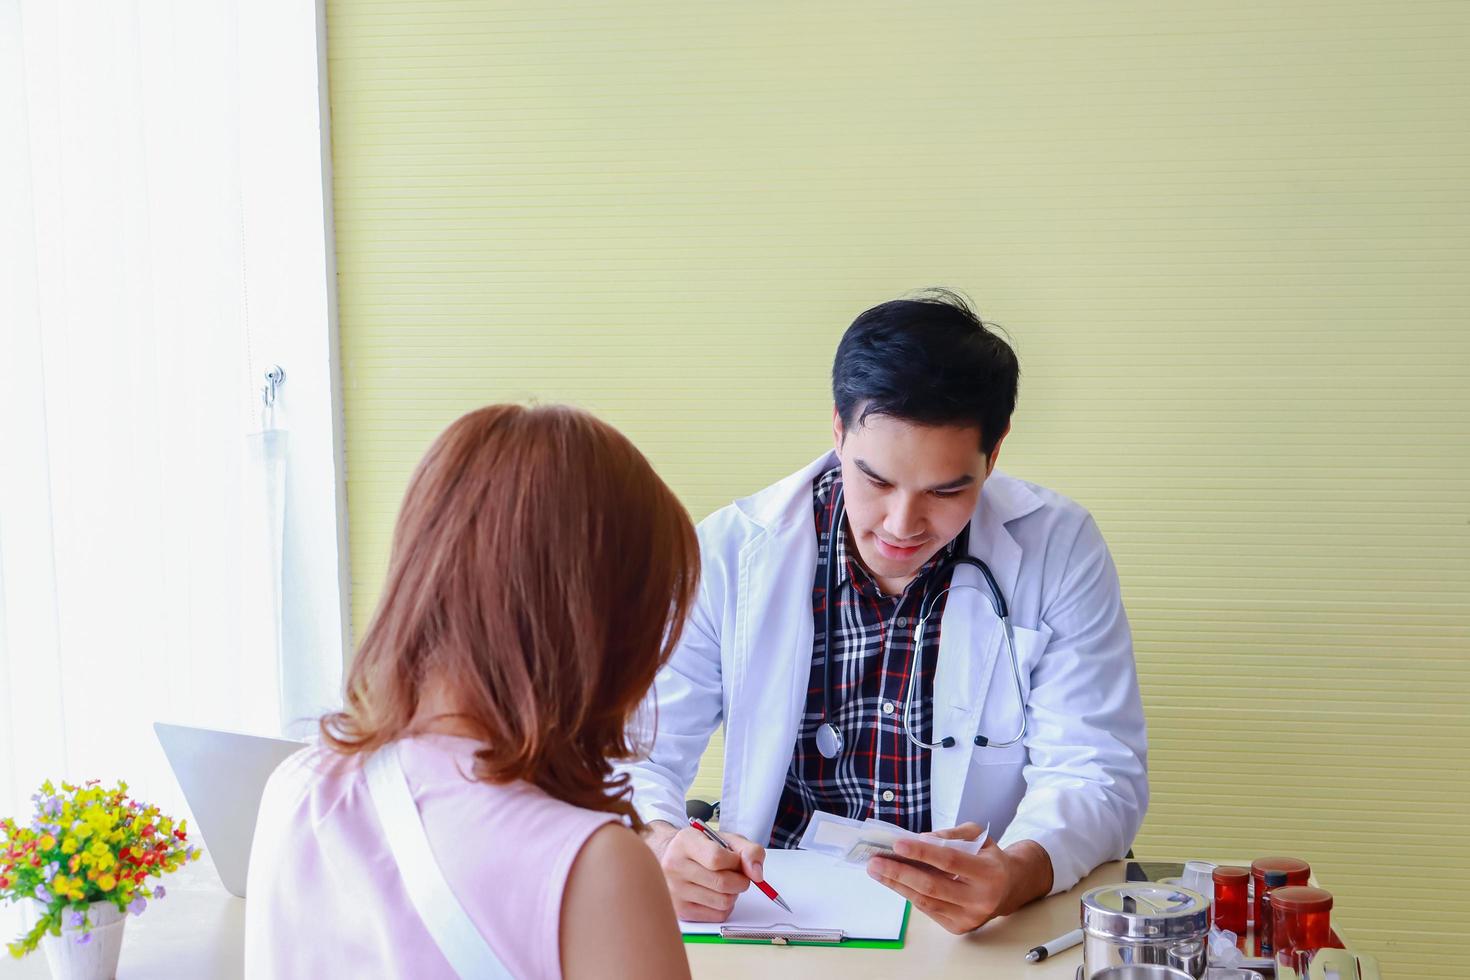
x,y
95,959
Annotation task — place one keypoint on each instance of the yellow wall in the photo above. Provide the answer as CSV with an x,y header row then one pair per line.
x,y
1229,240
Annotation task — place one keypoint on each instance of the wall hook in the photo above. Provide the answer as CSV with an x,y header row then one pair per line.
x,y
274,378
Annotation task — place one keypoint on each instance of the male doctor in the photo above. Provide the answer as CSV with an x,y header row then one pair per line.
x,y
1056,769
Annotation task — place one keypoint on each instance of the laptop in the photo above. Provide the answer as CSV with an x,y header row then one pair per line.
x,y
223,775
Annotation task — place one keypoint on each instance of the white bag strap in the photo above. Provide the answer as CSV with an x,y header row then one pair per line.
x,y
443,915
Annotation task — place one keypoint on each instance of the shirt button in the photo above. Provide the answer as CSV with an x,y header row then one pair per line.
x,y
903,621
888,796
888,707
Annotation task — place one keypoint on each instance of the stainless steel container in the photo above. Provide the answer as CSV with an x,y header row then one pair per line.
x,y
1144,923
1141,971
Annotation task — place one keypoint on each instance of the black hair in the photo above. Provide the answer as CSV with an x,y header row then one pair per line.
x,y
928,360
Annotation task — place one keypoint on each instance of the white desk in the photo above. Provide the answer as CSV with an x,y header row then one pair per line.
x,y
996,950
198,932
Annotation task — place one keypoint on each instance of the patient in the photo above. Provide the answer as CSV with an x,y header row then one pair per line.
x,y
539,576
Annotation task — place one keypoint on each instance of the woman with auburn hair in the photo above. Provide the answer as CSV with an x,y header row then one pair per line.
x,y
461,814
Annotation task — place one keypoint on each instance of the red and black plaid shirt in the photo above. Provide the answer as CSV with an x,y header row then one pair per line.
x,y
879,773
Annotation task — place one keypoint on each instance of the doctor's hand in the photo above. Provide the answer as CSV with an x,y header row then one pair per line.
x,y
704,879
963,891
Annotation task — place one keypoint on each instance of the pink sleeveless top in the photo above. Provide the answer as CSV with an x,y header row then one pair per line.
x,y
324,897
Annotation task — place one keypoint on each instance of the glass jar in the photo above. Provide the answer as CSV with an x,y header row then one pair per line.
x,y
1297,873
1232,893
1301,921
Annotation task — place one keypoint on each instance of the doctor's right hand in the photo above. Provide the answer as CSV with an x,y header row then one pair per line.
x,y
704,879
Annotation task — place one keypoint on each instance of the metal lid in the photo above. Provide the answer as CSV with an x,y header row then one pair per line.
x,y
1145,911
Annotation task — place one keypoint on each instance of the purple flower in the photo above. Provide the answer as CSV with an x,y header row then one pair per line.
x,y
51,870
137,905
159,892
77,920
84,939
42,895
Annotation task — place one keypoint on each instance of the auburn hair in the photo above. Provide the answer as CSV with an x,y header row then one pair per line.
x,y
541,571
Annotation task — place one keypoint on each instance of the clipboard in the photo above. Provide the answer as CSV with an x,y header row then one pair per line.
x,y
834,904
776,936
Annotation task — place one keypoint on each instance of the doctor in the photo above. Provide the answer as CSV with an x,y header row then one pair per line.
x,y
1049,754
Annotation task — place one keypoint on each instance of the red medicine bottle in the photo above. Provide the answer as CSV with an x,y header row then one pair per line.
x,y
1265,937
1297,873
1301,921
1232,887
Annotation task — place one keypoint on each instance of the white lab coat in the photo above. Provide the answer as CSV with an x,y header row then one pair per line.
x,y
1078,785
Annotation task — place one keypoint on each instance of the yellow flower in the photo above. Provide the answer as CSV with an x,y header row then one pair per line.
x,y
47,842
98,848
69,846
107,883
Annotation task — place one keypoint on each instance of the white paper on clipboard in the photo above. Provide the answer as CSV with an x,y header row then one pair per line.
x,y
823,892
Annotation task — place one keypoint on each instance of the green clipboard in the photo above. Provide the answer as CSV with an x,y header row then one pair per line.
x,y
839,943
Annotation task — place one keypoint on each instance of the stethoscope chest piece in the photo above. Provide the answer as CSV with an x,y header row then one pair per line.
x,y
829,740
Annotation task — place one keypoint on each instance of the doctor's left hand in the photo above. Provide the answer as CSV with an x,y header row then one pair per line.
x,y
963,891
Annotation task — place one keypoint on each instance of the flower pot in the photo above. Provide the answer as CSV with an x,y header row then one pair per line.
x,y
71,958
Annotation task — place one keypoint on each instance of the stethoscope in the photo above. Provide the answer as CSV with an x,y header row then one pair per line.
x,y
829,739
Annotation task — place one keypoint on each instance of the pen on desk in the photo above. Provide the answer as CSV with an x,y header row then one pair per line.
x,y
766,889
1057,945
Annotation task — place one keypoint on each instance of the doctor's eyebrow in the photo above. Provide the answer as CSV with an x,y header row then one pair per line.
x,y
955,484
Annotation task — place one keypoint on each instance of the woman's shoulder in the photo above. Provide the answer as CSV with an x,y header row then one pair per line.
x,y
614,846
310,779
619,904
314,763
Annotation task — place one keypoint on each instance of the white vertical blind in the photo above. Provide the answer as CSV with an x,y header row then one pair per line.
x,y
148,566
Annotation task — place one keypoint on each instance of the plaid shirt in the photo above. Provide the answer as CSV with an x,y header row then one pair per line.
x,y
879,773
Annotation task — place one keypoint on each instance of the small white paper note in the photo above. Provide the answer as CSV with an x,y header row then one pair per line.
x,y
854,841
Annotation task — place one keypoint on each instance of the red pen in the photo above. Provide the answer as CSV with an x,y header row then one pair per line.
x,y
766,889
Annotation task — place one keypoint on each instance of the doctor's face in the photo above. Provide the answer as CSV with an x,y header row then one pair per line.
x,y
909,489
